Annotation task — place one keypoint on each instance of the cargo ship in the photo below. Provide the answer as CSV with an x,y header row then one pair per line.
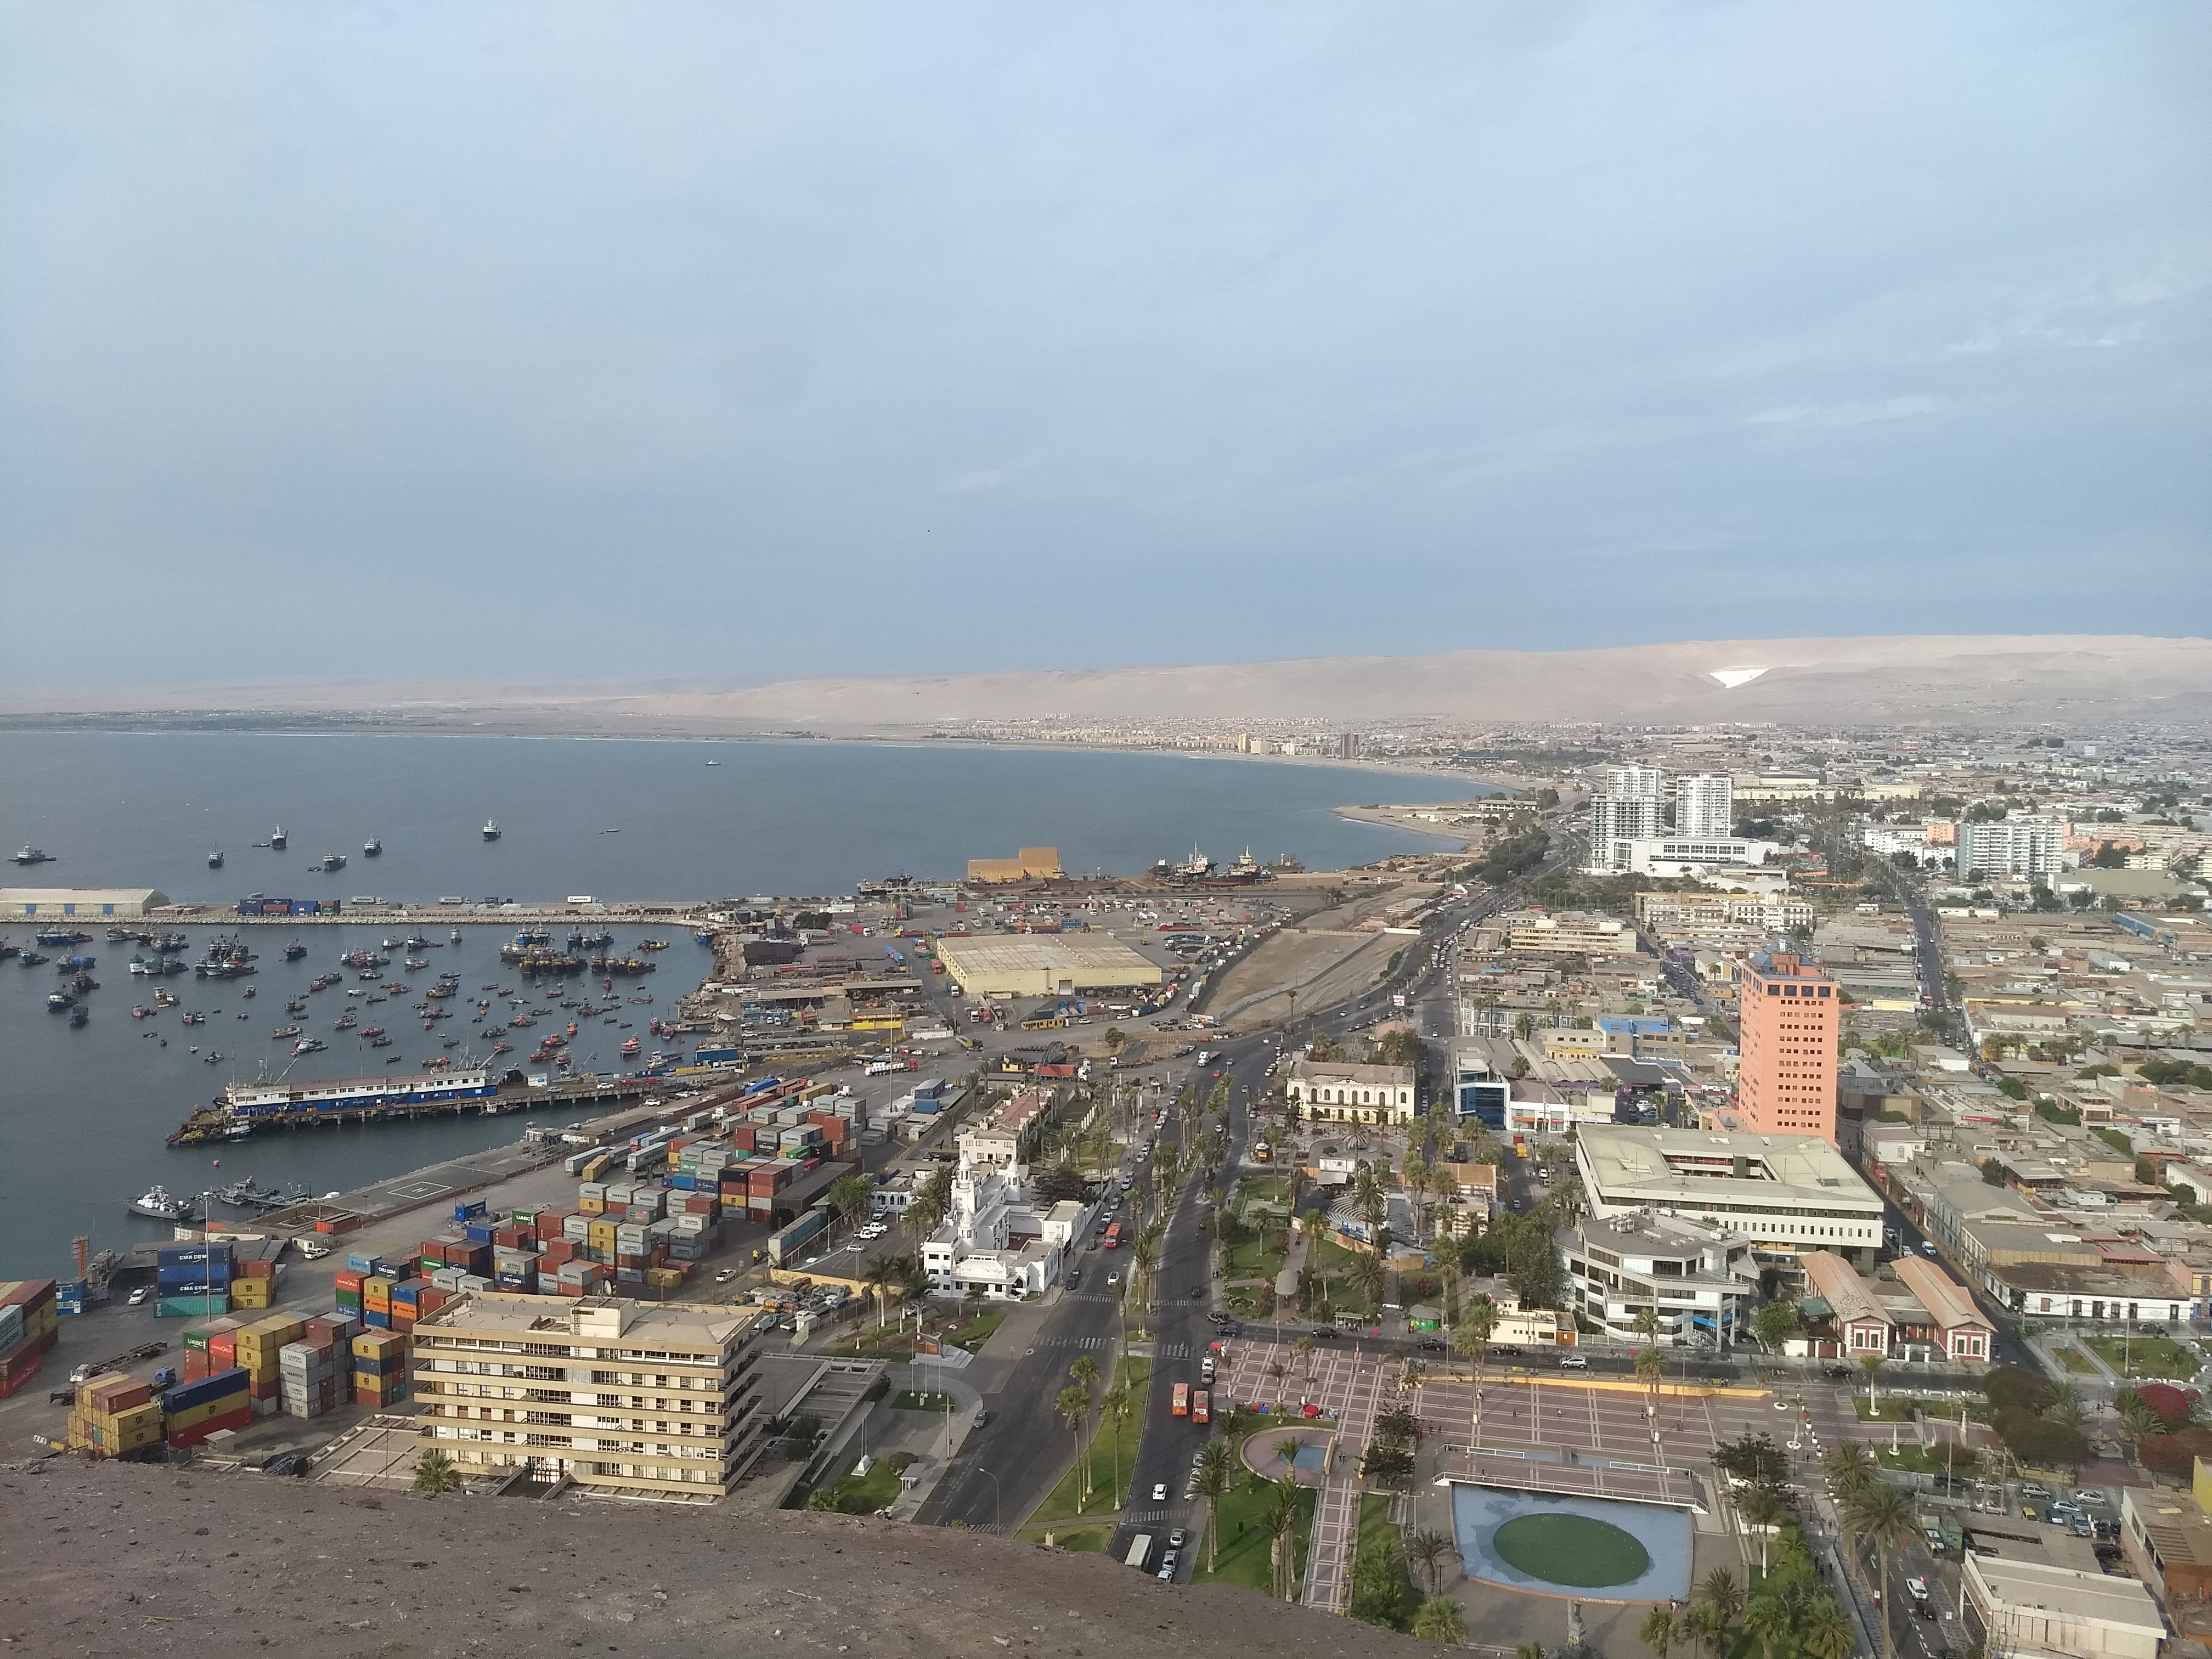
x,y
244,1108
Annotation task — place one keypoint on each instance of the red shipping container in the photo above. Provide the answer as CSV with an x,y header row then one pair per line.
x,y
196,1366
350,1280
558,1250
222,1350
429,1301
257,1269
742,1136
262,1390
199,1431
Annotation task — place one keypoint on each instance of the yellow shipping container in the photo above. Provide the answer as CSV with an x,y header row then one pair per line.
x,y
591,1206
249,1293
207,1412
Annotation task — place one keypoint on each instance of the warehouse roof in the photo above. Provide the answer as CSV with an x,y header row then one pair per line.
x,y
145,898
1095,959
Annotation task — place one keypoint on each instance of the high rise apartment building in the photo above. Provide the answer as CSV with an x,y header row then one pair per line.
x,y
1622,782
1704,803
1789,1017
2013,846
649,1398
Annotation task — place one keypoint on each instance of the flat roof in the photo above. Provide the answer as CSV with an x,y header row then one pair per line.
x,y
1100,960
2068,1592
503,1313
1692,1163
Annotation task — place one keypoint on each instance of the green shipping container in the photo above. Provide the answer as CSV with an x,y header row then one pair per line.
x,y
190,1307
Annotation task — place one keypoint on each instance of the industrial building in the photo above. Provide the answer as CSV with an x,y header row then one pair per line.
x,y
647,1399
1044,965
1030,864
56,903
2041,1608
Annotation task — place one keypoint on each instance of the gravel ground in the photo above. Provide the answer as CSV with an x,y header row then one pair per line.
x,y
103,1558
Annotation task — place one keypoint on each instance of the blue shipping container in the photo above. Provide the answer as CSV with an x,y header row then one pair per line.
x,y
187,1395
171,1256
468,1212
380,1320
364,1264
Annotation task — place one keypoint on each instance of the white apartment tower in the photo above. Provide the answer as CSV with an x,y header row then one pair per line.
x,y
1629,810
1704,803
2015,846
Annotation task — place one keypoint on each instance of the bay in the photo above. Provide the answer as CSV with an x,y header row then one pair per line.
x,y
83,1112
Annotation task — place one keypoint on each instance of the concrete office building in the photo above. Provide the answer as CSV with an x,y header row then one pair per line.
x,y
2015,846
1626,782
1786,1194
2038,1608
1616,820
653,1399
1789,1017
1697,1278
1704,805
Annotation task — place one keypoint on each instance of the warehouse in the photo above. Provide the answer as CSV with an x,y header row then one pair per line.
x,y
45,903
1030,864
1044,965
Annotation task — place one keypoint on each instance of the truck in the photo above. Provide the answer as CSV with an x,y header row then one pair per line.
x,y
1140,1551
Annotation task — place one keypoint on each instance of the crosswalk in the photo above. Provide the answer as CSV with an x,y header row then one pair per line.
x,y
1093,1343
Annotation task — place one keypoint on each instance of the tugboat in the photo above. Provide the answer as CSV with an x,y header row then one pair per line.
x,y
158,1205
491,829
31,854
215,858
330,864
277,839
295,950
371,848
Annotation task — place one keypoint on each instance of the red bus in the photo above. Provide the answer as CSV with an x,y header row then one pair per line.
x,y
1113,1235
1180,1406
1202,1403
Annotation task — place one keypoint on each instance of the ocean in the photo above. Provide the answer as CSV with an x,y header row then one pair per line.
x,y
83,1112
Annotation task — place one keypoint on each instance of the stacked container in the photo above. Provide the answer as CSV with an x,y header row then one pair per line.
x,y
253,1285
380,1369
348,1297
199,1360
578,1279
191,1279
30,1320
113,1415
310,1377
256,1348
197,1410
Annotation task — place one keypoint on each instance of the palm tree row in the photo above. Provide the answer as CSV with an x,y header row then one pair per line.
x,y
1872,1510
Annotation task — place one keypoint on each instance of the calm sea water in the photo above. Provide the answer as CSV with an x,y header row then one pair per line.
x,y
83,1112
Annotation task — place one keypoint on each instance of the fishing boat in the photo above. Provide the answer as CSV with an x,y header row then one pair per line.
x,y
284,1032
371,1030
629,1046
31,854
60,1002
79,1014
372,848
277,838
165,999
491,829
456,938
168,943
295,950
61,936
330,863
214,858
156,1203
346,1024
308,1045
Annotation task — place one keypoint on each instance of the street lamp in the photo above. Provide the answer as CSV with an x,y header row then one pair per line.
x,y
993,1479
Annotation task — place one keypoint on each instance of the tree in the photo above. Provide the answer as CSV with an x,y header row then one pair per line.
x,y
1872,1365
882,1273
850,1196
1366,1276
1774,1324
1442,1621
1114,1407
1303,1347
1285,1499
1431,1551
1217,1467
1762,1507
1084,1371
1658,1630
932,1203
1770,1623
1884,1515
435,1472
1073,1406
1378,1588
1722,1598
1828,1635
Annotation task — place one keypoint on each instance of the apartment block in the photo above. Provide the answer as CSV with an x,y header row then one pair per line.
x,y
1704,803
1789,1019
651,1399
2012,847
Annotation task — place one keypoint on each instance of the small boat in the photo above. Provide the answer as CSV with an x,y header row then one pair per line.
x,y
167,943
416,942
139,964
165,999
31,854
457,936
371,848
277,838
124,936
283,1032
629,1046
308,1046
157,1204
346,1024
295,950
60,1002
371,1030
611,832
213,1060
714,762
652,944
194,1018
417,963
79,1014
31,959
139,1010
215,858
61,936
330,863
491,829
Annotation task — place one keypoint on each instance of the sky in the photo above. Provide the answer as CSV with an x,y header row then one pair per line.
x,y
735,342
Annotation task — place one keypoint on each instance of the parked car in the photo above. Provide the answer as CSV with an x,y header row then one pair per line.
x,y
138,1297
1573,1362
1160,1491
2091,1495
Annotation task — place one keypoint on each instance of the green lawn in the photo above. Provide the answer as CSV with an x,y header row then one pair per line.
x,y
1243,1556
1918,1460
866,1494
1377,1531
1891,1408
1571,1549
1077,1541
1058,1503
2145,1356
1255,1258
978,1331
1333,1260
910,1400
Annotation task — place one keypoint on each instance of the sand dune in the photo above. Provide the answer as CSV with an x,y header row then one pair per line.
x,y
1999,678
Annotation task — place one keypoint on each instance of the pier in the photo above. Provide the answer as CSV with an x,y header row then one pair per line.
x,y
214,1124
687,913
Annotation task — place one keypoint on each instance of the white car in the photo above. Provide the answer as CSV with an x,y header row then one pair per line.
x,y
138,1297
1160,1493
1919,1587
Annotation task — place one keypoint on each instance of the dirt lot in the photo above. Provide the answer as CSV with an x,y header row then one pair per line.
x,y
1327,955
109,1559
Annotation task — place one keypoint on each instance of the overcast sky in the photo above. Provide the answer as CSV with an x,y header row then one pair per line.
x,y
728,341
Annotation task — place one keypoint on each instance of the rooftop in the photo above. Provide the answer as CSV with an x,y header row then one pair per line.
x,y
1623,1158
563,1318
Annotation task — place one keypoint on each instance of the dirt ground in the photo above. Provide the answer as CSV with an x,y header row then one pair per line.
x,y
1327,955
103,1558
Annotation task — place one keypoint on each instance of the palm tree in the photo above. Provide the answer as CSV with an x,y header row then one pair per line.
x,y
1721,1597
1658,1630
882,1273
1282,1516
1431,1551
1472,1339
1303,1347
1144,1258
1770,1623
1829,1635
1872,1365
2066,1405
1084,1370
1883,1513
1216,1467
1073,1405
1114,1406
1761,1507
1442,1621
1366,1276
435,1472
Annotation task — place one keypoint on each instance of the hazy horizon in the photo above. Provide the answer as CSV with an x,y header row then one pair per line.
x,y
734,344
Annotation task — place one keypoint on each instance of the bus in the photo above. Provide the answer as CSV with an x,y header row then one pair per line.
x,y
1201,1405
1140,1551
1180,1407
1113,1235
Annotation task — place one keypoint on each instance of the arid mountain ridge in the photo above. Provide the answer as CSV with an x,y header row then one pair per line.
x,y
1994,679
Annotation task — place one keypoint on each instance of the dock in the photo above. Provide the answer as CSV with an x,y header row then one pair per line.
x,y
213,1124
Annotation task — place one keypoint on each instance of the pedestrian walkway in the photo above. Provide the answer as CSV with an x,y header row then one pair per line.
x,y
1336,1510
